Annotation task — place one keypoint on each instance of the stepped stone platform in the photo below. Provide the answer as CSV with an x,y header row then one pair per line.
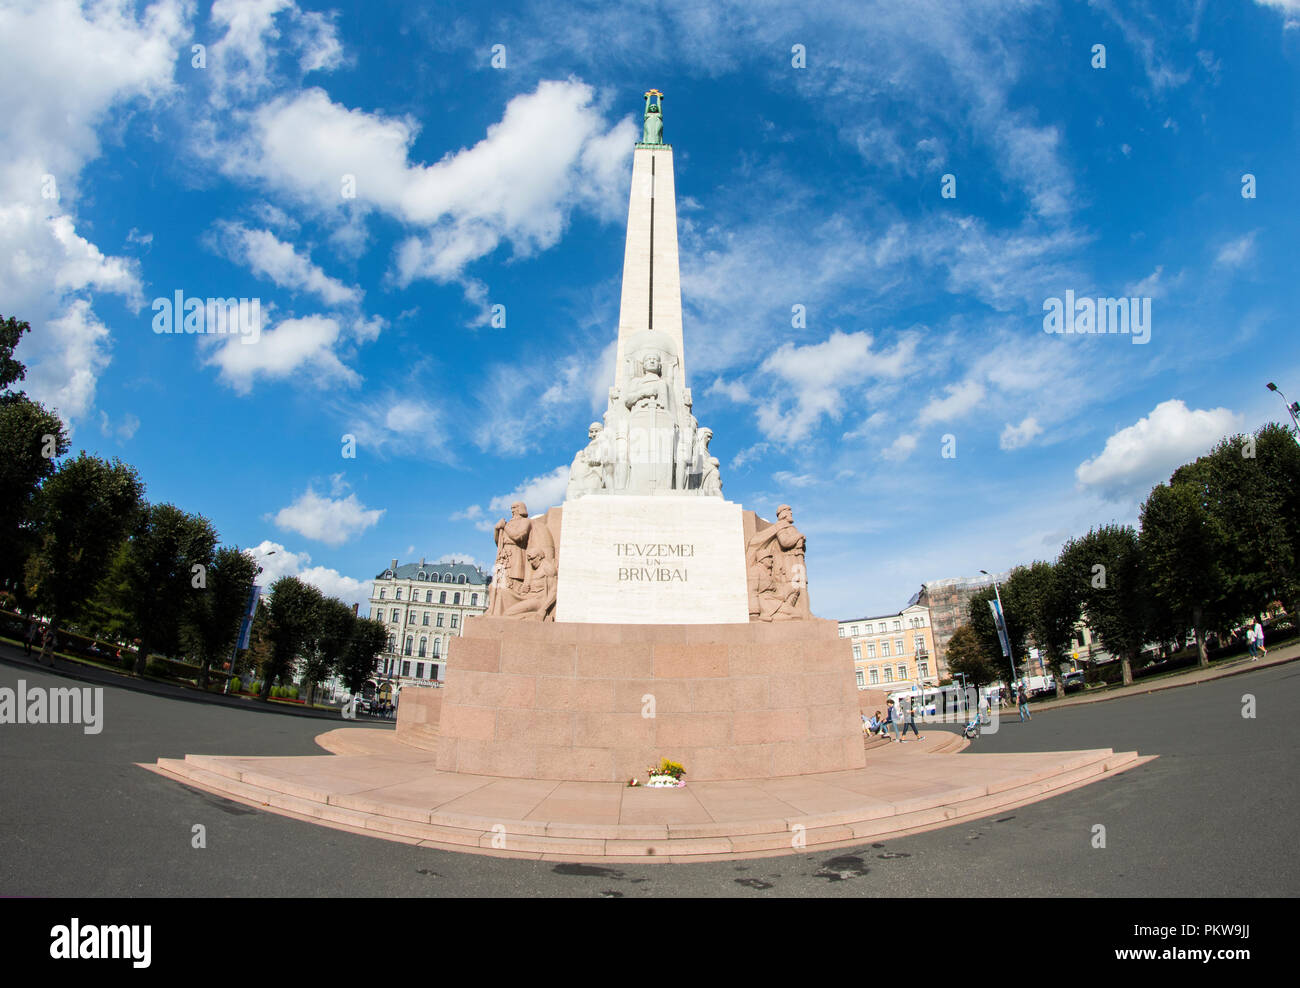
x,y
376,784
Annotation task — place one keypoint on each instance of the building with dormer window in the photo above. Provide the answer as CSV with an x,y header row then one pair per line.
x,y
424,605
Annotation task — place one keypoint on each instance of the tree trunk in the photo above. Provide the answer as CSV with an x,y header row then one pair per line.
x,y
1126,666
1202,652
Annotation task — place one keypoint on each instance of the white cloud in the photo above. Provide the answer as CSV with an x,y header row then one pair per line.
x,y
538,493
1016,436
329,520
815,378
277,561
123,431
1145,453
901,448
1290,11
269,257
550,153
293,345
962,398
391,423
65,68
1236,252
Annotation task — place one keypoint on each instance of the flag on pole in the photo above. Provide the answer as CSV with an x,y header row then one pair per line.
x,y
1000,623
246,627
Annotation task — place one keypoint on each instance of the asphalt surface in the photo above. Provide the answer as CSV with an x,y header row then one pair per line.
x,y
1215,815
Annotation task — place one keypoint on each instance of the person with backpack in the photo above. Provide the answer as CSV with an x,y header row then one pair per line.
x,y
1022,698
1257,646
891,721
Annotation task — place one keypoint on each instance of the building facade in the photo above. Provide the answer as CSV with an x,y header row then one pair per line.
x,y
948,602
424,605
893,648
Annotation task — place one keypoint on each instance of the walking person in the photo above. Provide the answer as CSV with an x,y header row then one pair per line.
x,y
910,721
1259,648
1022,698
48,644
29,637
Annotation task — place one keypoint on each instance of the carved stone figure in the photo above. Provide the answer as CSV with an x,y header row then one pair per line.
x,y
537,595
651,428
783,578
592,469
706,465
519,540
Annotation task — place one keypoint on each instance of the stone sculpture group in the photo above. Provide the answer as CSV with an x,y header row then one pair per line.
x,y
649,442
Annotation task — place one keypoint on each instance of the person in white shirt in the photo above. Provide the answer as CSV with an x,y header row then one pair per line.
x,y
1258,647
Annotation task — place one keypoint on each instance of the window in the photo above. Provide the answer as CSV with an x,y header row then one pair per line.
x,y
841,631
439,619
922,669
399,594
918,644
433,670
871,650
420,576
428,596
409,642
392,644
875,676
898,625
381,595
377,615
396,616
424,646
898,646
902,672
854,631
426,618
406,668
473,600
857,651
437,648
889,676
884,648
442,597
456,599
419,669
883,629
462,579
455,620
861,678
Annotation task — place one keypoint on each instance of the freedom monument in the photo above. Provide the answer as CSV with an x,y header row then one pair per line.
x,y
645,618
648,616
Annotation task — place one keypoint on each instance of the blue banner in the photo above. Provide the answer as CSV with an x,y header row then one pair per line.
x,y
1001,624
246,627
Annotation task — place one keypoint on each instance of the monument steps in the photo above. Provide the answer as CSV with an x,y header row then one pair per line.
x,y
863,817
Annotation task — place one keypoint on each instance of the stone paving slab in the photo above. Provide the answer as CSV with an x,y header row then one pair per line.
x,y
389,789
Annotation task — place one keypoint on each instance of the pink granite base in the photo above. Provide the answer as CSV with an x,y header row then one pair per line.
x,y
601,702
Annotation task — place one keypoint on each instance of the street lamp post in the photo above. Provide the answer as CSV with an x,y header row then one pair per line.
x,y
1011,651
1292,407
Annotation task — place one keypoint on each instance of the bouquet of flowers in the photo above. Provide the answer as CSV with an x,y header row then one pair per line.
x,y
666,775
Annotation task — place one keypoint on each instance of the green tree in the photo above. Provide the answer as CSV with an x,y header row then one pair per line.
x,y
82,514
1186,550
1250,485
334,631
1015,611
1106,568
31,439
293,613
1050,606
368,639
967,654
214,620
170,552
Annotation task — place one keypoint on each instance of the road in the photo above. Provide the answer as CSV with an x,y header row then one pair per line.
x,y
1215,815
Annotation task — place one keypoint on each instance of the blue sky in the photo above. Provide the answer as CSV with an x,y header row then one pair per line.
x,y
132,173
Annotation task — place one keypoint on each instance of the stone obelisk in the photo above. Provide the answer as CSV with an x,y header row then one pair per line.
x,y
652,286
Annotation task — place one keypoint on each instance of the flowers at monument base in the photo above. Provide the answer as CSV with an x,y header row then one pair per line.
x,y
666,775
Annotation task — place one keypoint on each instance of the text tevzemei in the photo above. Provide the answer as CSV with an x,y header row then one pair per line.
x,y
60,705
